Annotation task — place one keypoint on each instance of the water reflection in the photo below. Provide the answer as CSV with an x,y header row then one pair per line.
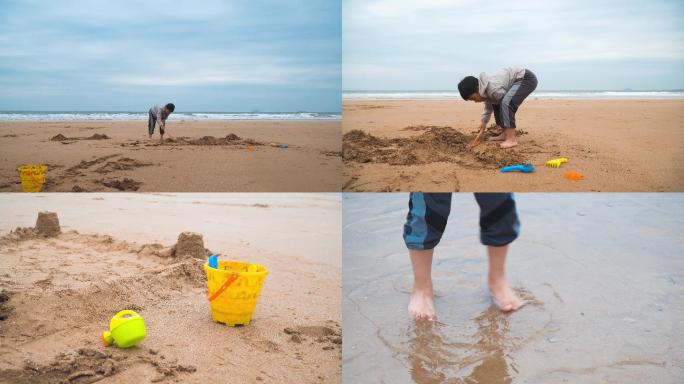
x,y
483,357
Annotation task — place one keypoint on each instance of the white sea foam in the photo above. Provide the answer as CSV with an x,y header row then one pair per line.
x,y
193,116
438,95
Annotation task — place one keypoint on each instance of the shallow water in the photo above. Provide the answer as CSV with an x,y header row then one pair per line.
x,y
603,273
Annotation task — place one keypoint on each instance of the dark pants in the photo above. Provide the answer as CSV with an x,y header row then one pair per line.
x,y
428,214
504,112
151,122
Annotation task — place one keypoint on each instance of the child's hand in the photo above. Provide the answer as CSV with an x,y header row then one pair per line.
x,y
476,141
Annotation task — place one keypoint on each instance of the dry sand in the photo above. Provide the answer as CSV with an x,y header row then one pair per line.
x,y
618,145
59,288
213,156
604,274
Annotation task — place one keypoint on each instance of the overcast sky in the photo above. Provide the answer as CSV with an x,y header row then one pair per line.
x,y
203,55
570,45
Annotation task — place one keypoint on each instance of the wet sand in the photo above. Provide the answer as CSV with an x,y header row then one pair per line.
x,y
57,294
618,146
210,156
603,272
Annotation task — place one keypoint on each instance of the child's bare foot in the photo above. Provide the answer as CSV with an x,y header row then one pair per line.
x,y
422,305
504,297
501,137
509,143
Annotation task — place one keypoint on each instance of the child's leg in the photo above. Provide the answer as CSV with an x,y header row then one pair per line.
x,y
499,226
510,103
421,305
497,118
425,224
504,296
508,109
151,122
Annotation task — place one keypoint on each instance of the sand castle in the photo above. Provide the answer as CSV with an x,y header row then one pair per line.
x,y
47,224
190,244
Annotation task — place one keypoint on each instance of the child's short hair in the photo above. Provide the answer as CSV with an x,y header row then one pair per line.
x,y
170,107
468,86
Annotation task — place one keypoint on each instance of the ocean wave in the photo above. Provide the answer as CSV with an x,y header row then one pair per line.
x,y
192,116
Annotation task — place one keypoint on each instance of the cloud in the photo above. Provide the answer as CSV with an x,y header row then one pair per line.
x,y
263,48
433,44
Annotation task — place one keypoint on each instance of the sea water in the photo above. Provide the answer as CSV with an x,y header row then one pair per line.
x,y
604,294
130,115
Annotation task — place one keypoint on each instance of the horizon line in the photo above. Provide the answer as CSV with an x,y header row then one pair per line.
x,y
537,90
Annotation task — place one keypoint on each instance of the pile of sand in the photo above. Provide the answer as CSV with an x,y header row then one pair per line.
x,y
87,365
230,139
121,164
95,136
435,144
5,309
77,169
98,136
59,137
318,333
126,184
104,165
47,225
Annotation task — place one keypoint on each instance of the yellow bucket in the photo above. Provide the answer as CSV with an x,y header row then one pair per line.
x,y
32,177
233,290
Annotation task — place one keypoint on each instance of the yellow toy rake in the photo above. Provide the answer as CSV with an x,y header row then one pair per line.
x,y
556,163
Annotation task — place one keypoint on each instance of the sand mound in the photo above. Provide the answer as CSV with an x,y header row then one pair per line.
x,y
230,139
87,365
47,224
19,234
82,176
59,137
435,144
319,333
122,164
5,309
190,244
85,164
122,185
96,136
331,153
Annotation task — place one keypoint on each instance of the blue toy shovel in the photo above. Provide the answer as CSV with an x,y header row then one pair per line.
x,y
525,168
213,261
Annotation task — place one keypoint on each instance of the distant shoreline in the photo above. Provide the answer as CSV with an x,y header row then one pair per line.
x,y
181,116
447,95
